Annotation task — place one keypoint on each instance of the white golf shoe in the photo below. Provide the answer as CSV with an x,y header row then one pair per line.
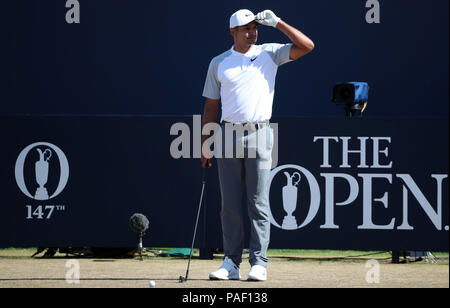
x,y
227,271
257,273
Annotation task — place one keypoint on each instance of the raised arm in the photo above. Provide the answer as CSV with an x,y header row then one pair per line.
x,y
302,44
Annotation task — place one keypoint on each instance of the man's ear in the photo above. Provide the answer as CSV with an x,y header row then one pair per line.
x,y
232,30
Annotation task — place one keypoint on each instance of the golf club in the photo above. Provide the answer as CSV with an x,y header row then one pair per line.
x,y
185,278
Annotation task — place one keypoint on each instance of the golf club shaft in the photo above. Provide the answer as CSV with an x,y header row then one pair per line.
x,y
196,221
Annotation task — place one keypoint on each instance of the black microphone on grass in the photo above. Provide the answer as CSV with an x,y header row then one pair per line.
x,y
139,224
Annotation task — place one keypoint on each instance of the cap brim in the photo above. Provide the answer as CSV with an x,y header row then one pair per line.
x,y
250,21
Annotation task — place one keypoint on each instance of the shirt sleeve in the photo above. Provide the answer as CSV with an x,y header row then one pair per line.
x,y
212,84
280,53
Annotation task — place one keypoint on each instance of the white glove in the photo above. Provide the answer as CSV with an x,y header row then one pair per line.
x,y
267,18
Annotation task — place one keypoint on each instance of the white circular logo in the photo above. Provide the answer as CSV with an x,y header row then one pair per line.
x,y
290,196
46,155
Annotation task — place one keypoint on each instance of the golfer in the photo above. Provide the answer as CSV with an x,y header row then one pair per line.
x,y
243,79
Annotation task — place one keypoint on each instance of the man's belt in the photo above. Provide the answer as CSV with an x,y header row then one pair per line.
x,y
251,125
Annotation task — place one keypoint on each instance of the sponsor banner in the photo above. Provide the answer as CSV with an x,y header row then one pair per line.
x,y
361,183
336,183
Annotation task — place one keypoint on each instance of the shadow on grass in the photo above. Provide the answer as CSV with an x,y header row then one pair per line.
x,y
352,258
87,279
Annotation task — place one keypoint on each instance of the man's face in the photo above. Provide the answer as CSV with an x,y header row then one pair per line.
x,y
247,34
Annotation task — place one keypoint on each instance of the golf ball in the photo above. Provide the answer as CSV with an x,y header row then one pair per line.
x,y
152,284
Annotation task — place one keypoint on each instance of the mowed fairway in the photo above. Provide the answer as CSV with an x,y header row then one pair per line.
x,y
289,270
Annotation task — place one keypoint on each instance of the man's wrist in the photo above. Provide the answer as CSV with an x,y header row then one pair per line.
x,y
278,25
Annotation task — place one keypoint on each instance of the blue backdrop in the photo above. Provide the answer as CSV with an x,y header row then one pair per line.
x,y
141,58
151,57
120,165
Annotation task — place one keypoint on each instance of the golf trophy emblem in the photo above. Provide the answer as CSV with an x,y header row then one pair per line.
x,y
290,192
41,168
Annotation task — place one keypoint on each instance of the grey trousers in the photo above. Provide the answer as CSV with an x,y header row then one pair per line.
x,y
249,174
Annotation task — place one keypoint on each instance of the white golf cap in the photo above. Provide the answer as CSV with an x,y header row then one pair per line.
x,y
241,18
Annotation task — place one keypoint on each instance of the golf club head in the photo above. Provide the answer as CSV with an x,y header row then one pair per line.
x,y
182,279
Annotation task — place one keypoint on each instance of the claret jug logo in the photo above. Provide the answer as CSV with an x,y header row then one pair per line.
x,y
291,195
42,171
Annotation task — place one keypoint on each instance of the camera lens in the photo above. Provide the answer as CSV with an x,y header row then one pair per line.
x,y
345,93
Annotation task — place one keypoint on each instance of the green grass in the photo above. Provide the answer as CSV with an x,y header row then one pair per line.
x,y
272,253
325,253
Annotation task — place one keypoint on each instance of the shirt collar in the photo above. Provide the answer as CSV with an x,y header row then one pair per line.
x,y
249,53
